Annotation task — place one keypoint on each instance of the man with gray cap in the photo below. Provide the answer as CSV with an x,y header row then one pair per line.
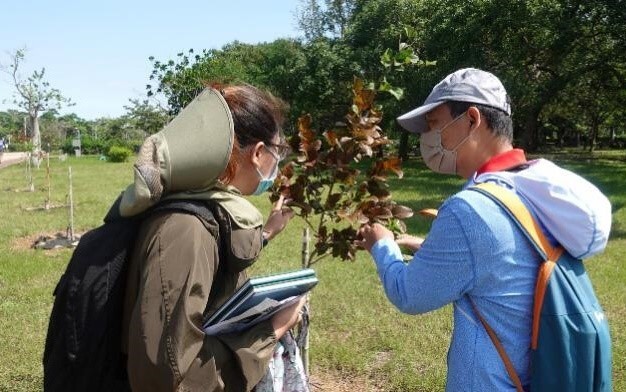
x,y
474,254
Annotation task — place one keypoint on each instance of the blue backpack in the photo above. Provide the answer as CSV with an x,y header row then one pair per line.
x,y
571,344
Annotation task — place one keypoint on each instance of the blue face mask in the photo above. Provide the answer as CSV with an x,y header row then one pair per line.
x,y
266,182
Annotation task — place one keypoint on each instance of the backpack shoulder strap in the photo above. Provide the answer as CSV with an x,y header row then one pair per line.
x,y
510,369
194,207
512,204
199,208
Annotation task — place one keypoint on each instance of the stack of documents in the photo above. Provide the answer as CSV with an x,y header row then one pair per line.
x,y
258,299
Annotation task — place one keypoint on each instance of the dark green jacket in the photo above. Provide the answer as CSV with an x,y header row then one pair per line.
x,y
176,279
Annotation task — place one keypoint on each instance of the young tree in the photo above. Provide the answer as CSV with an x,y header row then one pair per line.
x,y
34,95
145,116
337,181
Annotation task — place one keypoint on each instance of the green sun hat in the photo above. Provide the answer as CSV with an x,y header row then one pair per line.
x,y
188,154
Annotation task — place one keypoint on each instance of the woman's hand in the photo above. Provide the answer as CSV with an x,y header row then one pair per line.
x,y
288,317
410,242
372,233
278,219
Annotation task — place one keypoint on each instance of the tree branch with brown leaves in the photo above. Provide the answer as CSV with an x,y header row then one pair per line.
x,y
336,180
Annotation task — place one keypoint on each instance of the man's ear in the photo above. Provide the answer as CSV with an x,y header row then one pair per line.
x,y
474,117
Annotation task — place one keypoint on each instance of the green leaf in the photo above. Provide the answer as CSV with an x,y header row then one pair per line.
x,y
397,92
385,59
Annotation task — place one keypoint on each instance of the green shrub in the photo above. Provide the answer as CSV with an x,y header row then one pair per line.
x,y
118,154
91,145
20,146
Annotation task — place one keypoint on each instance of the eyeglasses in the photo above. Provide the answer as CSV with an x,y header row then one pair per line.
x,y
282,150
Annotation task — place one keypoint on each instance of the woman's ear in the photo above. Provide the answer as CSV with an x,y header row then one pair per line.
x,y
255,153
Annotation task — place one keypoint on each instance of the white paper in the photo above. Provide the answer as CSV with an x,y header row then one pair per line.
x,y
267,308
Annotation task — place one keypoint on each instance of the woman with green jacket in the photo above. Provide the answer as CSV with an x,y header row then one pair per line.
x,y
226,144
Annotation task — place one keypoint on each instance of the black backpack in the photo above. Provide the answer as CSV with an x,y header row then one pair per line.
x,y
83,345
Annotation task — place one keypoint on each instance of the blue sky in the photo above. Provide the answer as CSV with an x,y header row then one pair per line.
x,y
96,52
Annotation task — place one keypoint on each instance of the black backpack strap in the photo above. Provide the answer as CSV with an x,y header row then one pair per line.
x,y
198,208
194,207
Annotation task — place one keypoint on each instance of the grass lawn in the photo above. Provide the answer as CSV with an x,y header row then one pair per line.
x,y
357,336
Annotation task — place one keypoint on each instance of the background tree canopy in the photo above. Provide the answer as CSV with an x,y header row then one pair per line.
x,y
563,63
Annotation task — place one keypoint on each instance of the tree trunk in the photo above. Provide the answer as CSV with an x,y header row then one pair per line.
x,y
593,133
35,139
403,147
529,136
26,125
613,136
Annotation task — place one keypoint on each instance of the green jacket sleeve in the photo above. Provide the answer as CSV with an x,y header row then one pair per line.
x,y
167,350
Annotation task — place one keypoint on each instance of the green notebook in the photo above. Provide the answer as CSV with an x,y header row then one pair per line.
x,y
258,299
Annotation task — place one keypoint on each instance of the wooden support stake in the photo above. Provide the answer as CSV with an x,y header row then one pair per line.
x,y
70,230
304,350
29,174
48,200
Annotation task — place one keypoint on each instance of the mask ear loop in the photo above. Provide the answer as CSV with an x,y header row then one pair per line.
x,y
459,144
275,155
275,170
451,122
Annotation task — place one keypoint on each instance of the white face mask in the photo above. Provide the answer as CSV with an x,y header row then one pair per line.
x,y
437,158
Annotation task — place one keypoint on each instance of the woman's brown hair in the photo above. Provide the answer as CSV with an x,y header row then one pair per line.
x,y
258,116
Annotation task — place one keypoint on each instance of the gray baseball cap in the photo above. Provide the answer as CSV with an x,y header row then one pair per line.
x,y
465,85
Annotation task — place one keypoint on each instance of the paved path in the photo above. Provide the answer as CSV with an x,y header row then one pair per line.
x,y
10,158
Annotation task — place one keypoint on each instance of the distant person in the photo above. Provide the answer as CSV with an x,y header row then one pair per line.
x,y
2,147
225,145
474,250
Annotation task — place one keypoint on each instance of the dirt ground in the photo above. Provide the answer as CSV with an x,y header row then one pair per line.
x,y
10,158
327,381
28,242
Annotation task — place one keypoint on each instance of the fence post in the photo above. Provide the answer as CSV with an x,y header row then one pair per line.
x,y
70,233
305,264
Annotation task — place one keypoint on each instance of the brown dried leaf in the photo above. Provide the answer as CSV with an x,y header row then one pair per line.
x,y
304,129
363,98
287,170
346,175
378,189
379,213
401,212
366,149
391,164
332,138
429,212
